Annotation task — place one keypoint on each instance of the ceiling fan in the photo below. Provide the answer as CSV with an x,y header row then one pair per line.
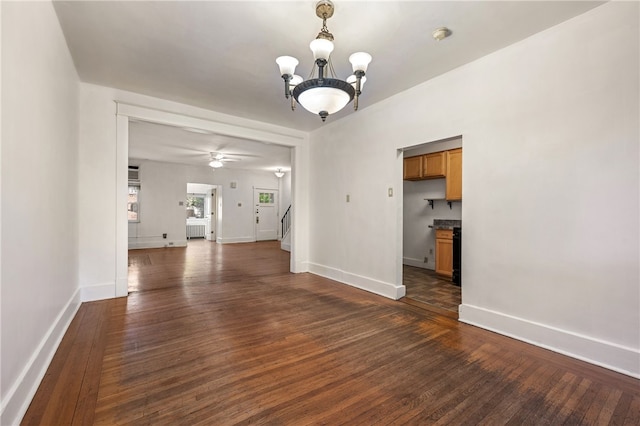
x,y
217,159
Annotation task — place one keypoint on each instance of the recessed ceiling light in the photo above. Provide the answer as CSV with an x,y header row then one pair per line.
x,y
441,33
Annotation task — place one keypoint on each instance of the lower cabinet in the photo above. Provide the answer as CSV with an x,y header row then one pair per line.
x,y
444,252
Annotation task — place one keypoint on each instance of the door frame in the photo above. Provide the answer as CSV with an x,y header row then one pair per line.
x,y
180,115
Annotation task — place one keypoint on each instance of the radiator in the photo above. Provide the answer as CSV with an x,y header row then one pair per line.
x,y
195,231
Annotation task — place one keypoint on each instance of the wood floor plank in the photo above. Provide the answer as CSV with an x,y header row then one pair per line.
x,y
224,334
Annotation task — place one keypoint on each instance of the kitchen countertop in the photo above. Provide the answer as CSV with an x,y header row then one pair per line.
x,y
446,224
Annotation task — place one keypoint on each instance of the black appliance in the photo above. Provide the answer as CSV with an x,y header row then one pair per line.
x,y
457,255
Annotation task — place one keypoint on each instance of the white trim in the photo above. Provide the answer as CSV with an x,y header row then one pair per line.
x,y
272,134
299,267
144,243
17,399
225,125
97,292
418,263
285,246
122,197
374,286
233,240
609,355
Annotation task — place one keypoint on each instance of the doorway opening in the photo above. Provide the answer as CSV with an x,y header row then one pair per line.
x,y
201,212
432,209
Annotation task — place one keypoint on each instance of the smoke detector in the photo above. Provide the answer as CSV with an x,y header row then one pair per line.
x,y
441,33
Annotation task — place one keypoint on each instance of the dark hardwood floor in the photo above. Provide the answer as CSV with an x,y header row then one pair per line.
x,y
223,334
427,287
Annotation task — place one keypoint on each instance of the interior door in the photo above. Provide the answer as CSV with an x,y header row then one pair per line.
x,y
266,213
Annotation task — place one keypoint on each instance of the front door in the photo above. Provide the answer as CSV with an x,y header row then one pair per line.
x,y
266,213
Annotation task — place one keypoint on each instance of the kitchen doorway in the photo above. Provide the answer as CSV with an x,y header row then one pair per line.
x,y
432,208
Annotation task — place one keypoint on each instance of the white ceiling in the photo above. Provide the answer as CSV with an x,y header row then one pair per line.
x,y
150,141
220,55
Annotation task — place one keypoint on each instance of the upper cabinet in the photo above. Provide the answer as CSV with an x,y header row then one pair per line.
x,y
443,164
454,174
433,165
428,166
413,168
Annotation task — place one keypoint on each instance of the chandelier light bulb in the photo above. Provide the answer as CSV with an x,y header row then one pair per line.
x,y
321,48
360,61
287,64
295,80
279,173
216,164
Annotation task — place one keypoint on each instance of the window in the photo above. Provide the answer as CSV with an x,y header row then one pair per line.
x,y
195,206
265,197
133,204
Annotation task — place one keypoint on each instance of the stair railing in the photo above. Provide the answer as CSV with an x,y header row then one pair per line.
x,y
285,222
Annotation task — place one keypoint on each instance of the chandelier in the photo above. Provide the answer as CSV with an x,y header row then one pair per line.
x,y
322,93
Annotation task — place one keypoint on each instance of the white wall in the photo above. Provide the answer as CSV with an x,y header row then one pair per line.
x,y
550,187
39,283
237,214
418,239
164,185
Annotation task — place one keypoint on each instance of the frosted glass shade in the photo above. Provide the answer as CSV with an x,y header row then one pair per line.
x,y
216,164
287,64
295,80
352,81
321,48
360,61
327,99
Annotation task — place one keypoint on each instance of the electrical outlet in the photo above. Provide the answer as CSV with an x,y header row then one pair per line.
x,y
164,236
170,243
430,251
426,260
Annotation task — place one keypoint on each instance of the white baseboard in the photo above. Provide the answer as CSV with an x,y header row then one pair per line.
x,y
299,267
374,286
134,245
285,246
17,399
233,240
98,292
609,355
418,263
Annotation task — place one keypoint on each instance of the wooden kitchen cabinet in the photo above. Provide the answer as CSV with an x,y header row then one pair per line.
x,y
444,252
454,175
434,165
413,168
